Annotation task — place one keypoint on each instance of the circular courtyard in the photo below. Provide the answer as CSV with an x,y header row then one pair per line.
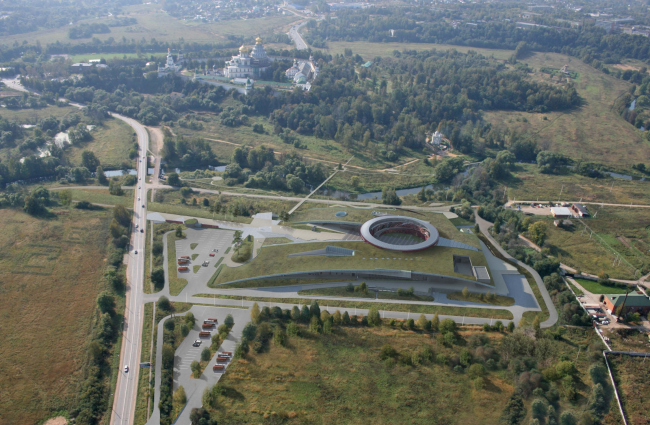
x,y
397,233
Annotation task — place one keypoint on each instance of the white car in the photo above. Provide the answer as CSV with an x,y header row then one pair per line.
x,y
137,225
138,198
126,368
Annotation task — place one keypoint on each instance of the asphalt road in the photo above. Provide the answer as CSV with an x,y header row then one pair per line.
x,y
127,383
296,37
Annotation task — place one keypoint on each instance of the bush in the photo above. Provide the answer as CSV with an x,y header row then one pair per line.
x,y
164,304
205,354
373,317
476,370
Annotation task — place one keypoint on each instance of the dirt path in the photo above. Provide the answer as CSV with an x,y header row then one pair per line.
x,y
156,137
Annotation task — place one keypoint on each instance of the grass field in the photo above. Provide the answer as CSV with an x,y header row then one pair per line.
x,y
111,144
364,304
632,376
618,231
341,378
155,23
370,50
446,228
176,284
341,291
274,260
50,272
633,340
189,211
593,132
530,185
276,241
407,176
597,288
144,389
102,196
158,57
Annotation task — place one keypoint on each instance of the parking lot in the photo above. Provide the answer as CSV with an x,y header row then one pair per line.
x,y
210,241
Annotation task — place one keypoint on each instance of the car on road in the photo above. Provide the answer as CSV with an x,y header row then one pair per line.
x,y
197,343
126,368
139,188
141,230
137,225
138,198
142,205
212,254
136,251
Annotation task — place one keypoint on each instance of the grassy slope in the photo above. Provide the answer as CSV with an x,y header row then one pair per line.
x,y
529,185
190,211
341,291
39,366
273,260
340,378
111,144
593,132
357,215
154,23
143,381
102,196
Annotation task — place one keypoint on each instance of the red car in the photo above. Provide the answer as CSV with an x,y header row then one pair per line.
x,y
211,254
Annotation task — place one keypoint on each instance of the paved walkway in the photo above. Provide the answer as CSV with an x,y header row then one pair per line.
x,y
484,225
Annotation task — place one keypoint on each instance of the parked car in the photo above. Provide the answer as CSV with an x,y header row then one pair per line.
x,y
212,254
197,343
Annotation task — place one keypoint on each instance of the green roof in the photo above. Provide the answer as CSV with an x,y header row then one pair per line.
x,y
633,300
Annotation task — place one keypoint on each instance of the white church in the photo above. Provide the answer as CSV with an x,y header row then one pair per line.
x,y
248,63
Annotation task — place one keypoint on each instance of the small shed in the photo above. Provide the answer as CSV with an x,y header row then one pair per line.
x,y
580,210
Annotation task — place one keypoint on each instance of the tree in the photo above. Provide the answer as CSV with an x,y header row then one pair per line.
x,y
422,322
101,177
89,160
538,409
538,232
346,318
33,206
229,321
158,277
249,332
196,369
389,197
255,313
122,216
435,322
115,188
476,370
567,418
314,309
337,318
304,314
106,302
314,324
373,316
448,326
205,354
173,179
164,304
598,374
511,327
65,197
190,319
179,232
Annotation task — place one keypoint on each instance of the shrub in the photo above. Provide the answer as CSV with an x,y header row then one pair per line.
x,y
164,304
476,370
373,316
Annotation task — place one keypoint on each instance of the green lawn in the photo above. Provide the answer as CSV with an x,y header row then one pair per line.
x,y
145,390
274,260
276,241
102,196
597,288
189,211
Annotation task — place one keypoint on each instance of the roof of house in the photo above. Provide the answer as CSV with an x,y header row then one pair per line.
x,y
581,208
562,211
634,299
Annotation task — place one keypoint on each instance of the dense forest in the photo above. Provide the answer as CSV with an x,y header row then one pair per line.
x,y
588,42
398,100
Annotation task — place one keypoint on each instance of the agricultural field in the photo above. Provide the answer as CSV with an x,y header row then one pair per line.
x,y
529,184
632,376
618,231
43,265
153,22
593,132
111,143
342,378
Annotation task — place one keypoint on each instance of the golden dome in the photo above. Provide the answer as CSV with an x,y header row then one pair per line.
x,y
258,40
243,49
